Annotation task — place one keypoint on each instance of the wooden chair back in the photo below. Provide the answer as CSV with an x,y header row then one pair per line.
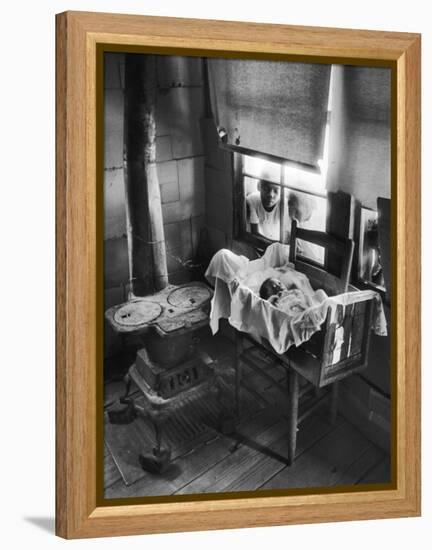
x,y
341,346
332,283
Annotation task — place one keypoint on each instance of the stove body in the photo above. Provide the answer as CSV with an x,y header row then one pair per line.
x,y
168,369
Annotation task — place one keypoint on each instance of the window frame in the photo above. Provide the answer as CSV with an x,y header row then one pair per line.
x,y
260,242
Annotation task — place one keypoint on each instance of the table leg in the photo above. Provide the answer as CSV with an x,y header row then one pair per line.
x,y
293,414
334,401
238,352
226,420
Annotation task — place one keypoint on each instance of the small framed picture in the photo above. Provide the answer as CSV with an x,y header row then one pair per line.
x,y
370,266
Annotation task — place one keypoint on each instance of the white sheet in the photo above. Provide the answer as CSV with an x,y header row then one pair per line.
x,y
237,281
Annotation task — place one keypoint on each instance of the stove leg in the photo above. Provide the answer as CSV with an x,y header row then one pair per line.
x,y
160,459
230,415
128,382
127,414
123,416
158,425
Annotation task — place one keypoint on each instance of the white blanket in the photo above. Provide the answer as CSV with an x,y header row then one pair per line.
x,y
237,281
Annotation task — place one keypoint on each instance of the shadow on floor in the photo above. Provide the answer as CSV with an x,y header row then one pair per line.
x,y
46,524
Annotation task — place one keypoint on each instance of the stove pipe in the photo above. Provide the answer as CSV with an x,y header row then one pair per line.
x,y
146,239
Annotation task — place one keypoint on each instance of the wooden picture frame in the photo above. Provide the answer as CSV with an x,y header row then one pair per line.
x,y
80,37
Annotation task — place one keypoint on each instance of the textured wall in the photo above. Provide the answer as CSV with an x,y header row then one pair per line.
x,y
359,164
180,163
219,190
359,161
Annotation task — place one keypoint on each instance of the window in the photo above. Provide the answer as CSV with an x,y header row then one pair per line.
x,y
273,191
272,195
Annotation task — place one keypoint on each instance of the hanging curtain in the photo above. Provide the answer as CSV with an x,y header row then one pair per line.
x,y
274,107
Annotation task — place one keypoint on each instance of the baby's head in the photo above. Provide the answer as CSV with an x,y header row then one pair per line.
x,y
271,287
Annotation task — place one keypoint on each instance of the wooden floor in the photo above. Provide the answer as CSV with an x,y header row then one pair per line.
x,y
252,458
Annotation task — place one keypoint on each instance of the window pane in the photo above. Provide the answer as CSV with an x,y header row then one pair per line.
x,y
250,185
296,177
309,210
311,213
260,168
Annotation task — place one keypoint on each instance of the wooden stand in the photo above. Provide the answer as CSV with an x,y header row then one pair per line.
x,y
317,364
339,349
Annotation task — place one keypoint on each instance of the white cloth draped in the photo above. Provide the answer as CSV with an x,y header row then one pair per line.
x,y
237,281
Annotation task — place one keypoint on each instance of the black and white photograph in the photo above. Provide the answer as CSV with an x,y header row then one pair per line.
x,y
247,276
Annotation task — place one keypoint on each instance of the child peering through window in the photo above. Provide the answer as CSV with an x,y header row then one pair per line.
x,y
264,210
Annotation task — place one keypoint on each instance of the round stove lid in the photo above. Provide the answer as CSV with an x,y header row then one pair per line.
x,y
137,313
189,296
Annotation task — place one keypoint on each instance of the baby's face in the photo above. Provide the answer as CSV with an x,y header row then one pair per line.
x,y
276,286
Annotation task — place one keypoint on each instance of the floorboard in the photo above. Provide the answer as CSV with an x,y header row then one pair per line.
x,y
361,464
325,463
196,421
222,473
111,472
253,458
191,465
264,465
378,473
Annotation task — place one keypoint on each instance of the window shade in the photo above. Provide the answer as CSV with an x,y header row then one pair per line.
x,y
278,108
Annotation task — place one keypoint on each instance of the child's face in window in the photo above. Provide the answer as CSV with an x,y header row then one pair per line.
x,y
270,194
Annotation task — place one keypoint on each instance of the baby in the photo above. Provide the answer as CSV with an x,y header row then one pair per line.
x,y
292,300
271,288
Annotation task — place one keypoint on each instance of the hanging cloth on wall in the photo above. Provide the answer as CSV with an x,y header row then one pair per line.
x,y
274,107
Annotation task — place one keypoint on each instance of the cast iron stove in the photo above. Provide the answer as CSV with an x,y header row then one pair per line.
x,y
168,369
